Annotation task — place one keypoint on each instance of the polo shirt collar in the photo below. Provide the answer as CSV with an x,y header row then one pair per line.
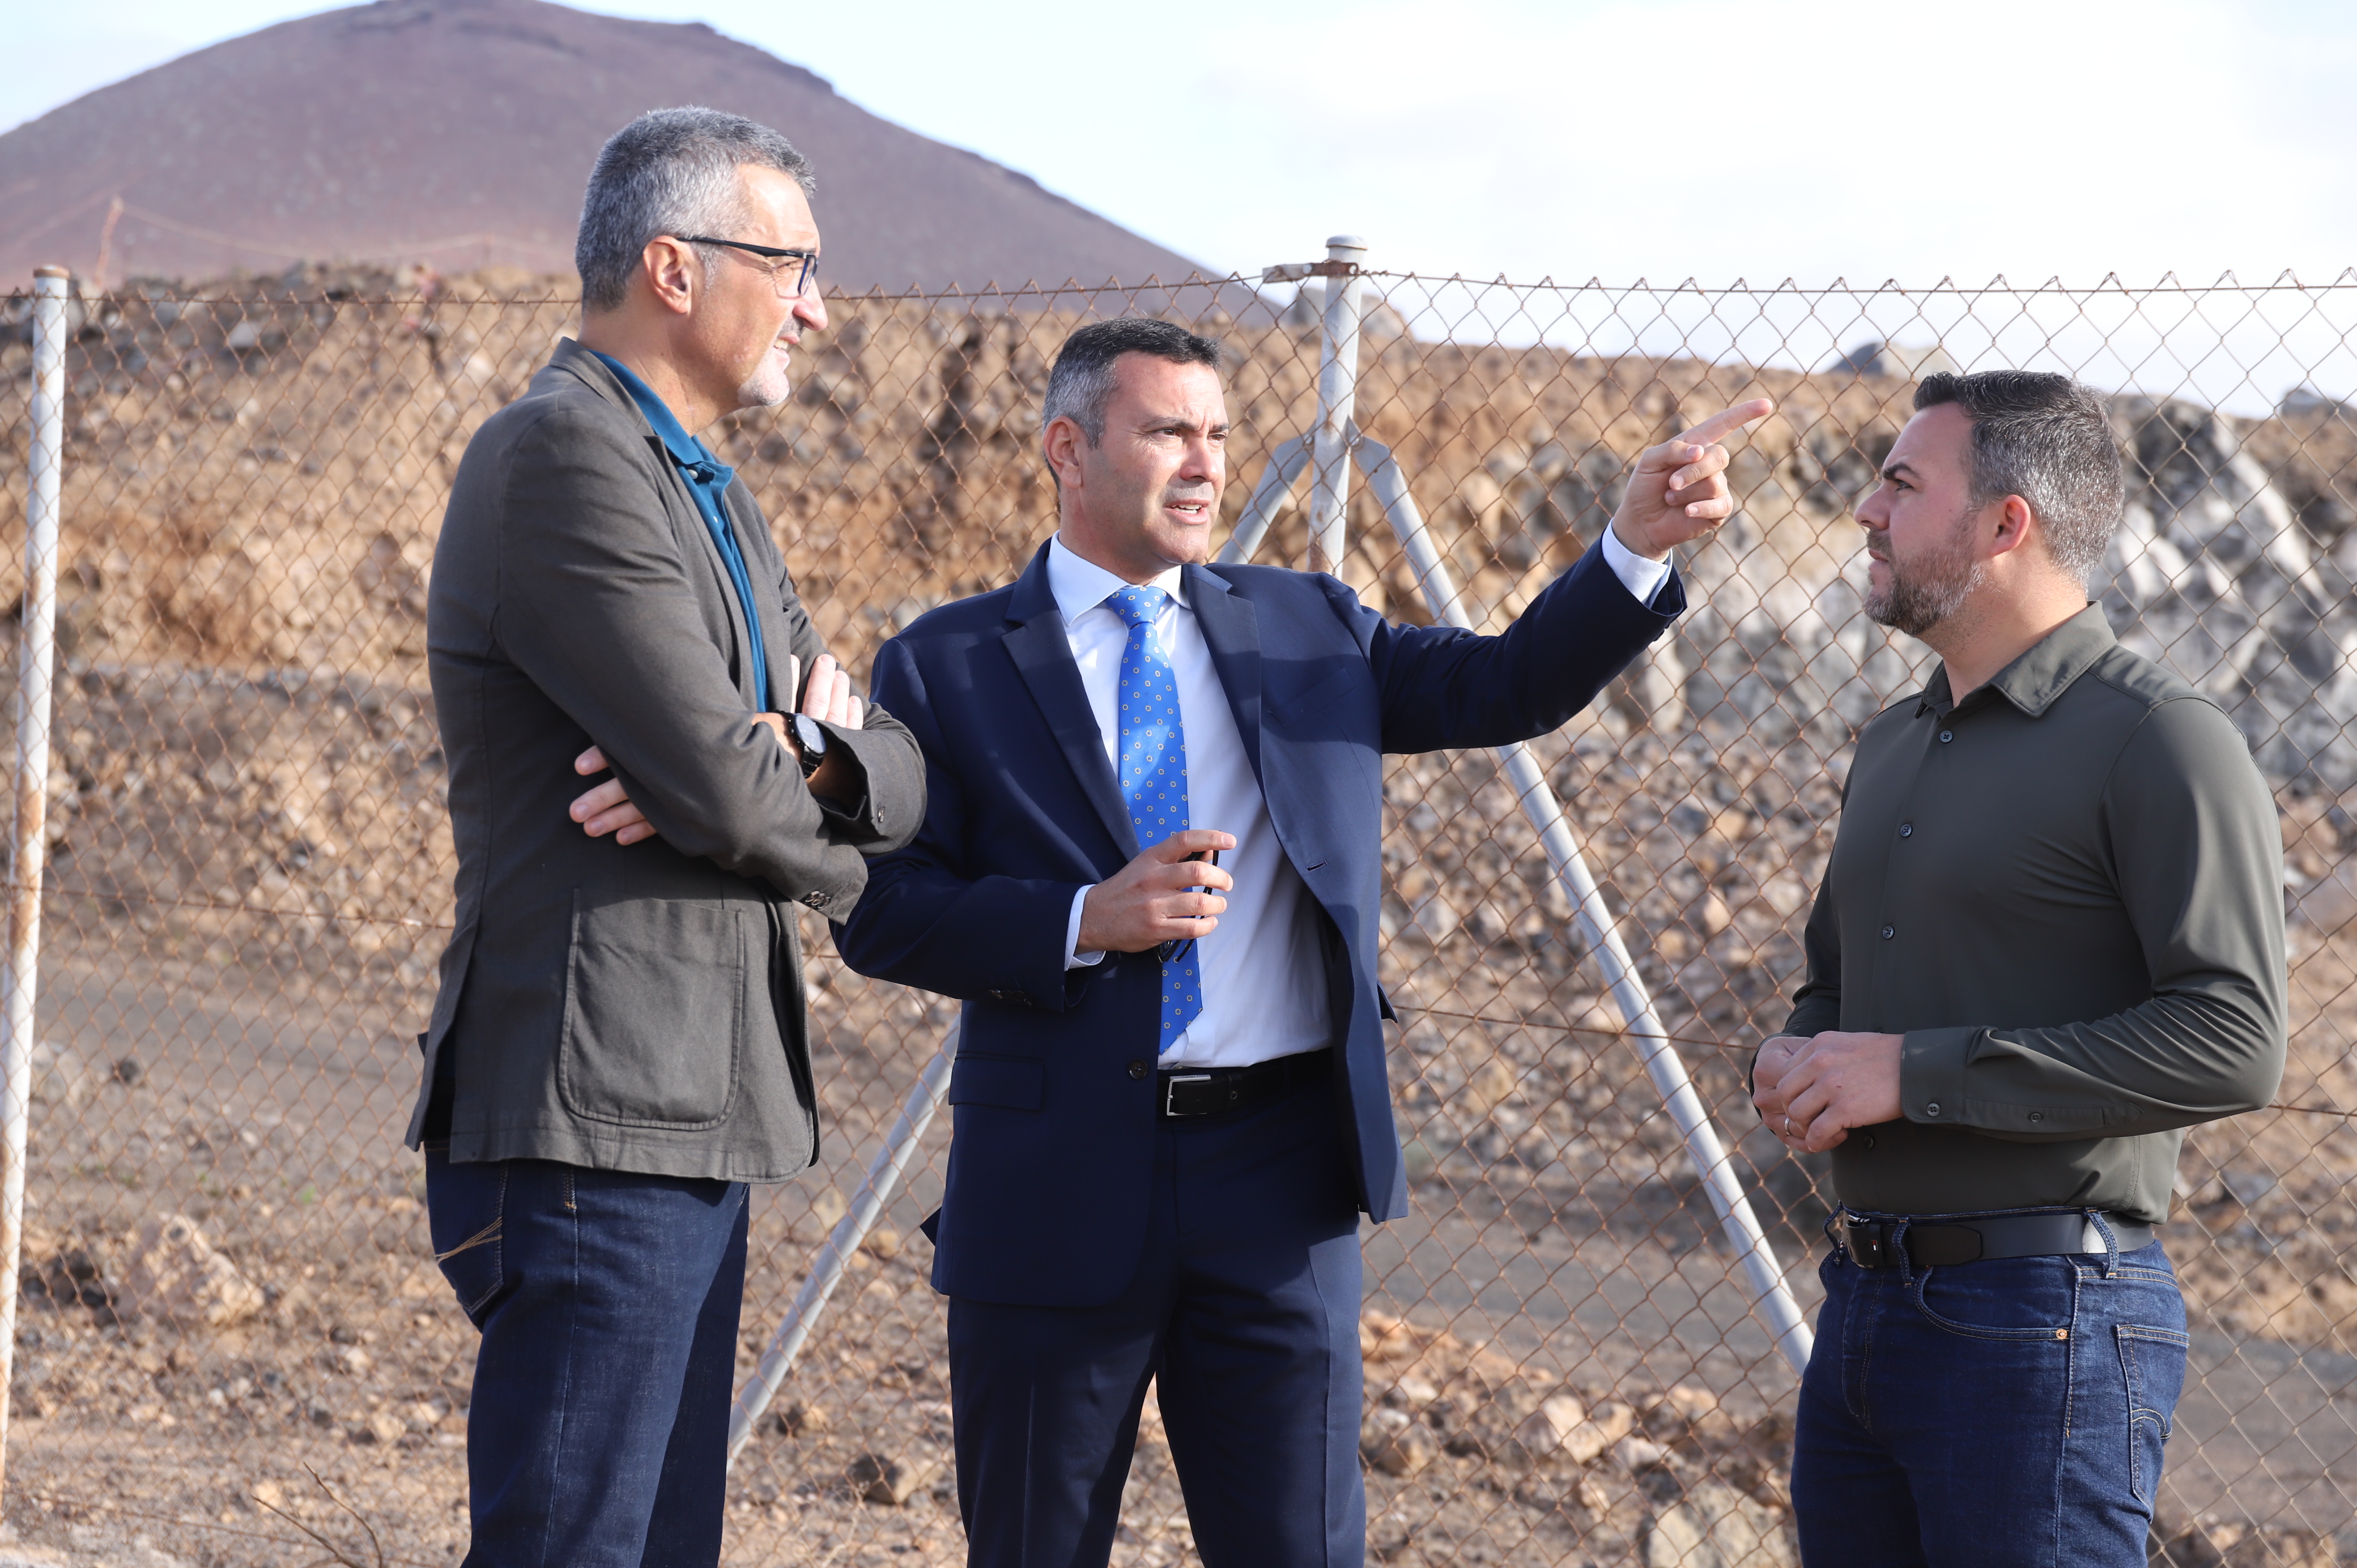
x,y
1080,585
2044,673
684,449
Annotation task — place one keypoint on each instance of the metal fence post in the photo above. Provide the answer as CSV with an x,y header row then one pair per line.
x,y
1337,391
1772,1297
33,693
827,1272
1338,395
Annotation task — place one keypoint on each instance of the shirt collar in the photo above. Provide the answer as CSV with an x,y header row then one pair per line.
x,y
684,449
2044,673
1081,585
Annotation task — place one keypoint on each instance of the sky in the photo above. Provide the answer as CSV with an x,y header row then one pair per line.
x,y
1815,140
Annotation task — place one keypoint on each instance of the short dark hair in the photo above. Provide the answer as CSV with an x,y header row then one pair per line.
x,y
2047,439
670,171
1081,383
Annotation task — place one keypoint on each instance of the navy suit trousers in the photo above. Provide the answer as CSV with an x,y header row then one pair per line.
x,y
1243,1312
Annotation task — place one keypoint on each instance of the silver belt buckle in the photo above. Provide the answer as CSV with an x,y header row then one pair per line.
x,y
1169,1088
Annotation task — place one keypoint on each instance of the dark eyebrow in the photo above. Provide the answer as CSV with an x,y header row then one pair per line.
x,y
1182,422
1894,470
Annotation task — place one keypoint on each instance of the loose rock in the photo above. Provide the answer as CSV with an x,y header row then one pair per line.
x,y
802,1418
62,1076
1708,1524
1396,1444
890,1482
174,1273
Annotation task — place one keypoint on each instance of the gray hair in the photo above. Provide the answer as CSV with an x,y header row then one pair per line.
x,y
670,171
1081,383
2047,439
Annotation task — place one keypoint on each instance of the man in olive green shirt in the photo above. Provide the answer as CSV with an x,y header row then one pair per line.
x,y
2050,938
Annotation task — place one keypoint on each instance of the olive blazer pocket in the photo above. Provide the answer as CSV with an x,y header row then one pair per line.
x,y
654,1012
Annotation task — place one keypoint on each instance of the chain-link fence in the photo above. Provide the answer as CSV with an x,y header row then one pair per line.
x,y
227,1282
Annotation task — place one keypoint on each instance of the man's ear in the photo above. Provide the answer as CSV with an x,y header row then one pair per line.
x,y
673,272
1060,442
2016,525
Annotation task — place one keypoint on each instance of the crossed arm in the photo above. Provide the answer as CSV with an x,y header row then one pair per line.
x,y
607,808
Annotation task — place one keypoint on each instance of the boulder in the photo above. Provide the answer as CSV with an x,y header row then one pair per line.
x,y
174,1273
1396,1444
62,1076
1708,1524
1563,1428
889,1482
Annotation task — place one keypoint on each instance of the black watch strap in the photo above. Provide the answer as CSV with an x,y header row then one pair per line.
x,y
810,742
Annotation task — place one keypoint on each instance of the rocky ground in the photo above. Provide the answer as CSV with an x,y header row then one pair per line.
x,y
227,1277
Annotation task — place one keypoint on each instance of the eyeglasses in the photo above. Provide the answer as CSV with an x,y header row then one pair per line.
x,y
809,260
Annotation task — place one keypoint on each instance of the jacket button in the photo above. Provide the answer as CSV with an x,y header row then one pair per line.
x,y
1932,1108
1137,1069
1889,932
1907,830
1946,735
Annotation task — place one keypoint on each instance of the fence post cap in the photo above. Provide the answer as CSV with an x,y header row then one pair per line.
x,y
1344,242
52,272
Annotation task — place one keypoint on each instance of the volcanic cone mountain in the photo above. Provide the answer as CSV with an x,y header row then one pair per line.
x,y
459,133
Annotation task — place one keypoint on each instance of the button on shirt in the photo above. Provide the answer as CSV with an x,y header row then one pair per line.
x,y
707,482
2066,893
1263,966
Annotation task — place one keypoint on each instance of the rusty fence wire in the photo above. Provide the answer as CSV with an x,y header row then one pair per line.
x,y
231,1333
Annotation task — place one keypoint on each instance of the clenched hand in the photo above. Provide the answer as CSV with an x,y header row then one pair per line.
x,y
1812,1091
1163,896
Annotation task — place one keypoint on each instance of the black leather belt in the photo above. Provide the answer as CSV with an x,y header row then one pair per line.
x,y
1190,1093
1938,1244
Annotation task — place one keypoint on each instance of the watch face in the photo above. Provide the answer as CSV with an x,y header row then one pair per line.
x,y
810,737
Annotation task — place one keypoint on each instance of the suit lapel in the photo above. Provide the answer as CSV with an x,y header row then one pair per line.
x,y
1042,651
1232,631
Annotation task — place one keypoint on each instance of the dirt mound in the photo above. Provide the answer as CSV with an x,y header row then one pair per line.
x,y
461,132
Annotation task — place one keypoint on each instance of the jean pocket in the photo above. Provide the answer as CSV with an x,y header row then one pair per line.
x,y
2002,1301
466,1213
2152,1362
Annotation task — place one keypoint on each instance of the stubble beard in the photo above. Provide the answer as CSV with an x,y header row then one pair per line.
x,y
1917,598
768,385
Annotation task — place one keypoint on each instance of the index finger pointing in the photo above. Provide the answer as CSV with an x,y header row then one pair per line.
x,y
1729,420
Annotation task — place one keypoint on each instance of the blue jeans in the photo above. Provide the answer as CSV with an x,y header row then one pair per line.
x,y
2009,1412
608,1302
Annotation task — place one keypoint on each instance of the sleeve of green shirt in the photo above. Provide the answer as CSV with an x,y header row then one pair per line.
x,y
2194,845
1816,1007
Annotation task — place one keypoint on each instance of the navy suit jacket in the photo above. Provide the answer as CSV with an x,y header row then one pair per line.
x,y
1053,1090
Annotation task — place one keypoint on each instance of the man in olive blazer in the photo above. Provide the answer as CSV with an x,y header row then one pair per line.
x,y
618,1045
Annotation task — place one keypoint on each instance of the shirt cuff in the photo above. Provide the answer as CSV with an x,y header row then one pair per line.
x,y
1072,937
1932,1065
1639,574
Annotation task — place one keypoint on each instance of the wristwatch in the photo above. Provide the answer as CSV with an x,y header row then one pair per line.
x,y
810,741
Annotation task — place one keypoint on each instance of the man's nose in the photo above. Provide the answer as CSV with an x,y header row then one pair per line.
x,y
1873,512
1204,461
811,311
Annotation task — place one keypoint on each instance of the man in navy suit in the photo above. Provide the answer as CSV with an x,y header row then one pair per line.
x,y
1171,1098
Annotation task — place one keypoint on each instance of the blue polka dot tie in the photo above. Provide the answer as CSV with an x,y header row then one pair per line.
x,y
1153,775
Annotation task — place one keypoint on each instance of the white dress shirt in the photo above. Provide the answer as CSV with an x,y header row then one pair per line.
x,y
1264,983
